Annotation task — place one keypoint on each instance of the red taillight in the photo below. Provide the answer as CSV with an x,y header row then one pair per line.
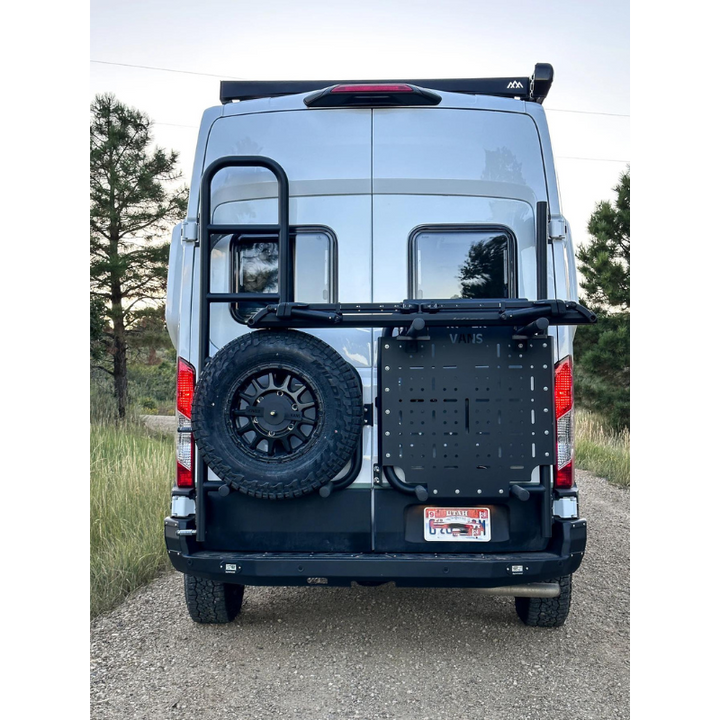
x,y
564,417
563,387
386,88
184,441
185,387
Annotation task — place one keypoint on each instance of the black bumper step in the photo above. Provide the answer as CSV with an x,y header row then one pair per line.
x,y
405,569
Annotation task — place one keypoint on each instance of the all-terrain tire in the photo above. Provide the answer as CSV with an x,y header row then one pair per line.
x,y
209,601
272,366
546,612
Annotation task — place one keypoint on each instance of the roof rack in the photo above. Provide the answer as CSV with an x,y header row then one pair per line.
x,y
533,89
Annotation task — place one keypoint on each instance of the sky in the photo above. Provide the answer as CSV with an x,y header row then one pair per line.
x,y
199,43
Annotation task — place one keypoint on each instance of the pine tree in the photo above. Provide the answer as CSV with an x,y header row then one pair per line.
x,y
602,351
133,202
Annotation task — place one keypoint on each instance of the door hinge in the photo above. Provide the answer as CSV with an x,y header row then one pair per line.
x,y
189,231
557,229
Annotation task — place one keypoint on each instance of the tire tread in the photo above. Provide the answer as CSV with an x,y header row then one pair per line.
x,y
546,612
210,601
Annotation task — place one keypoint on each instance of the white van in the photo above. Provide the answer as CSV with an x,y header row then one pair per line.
x,y
373,301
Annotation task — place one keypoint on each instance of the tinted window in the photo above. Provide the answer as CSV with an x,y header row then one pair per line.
x,y
313,276
452,264
255,268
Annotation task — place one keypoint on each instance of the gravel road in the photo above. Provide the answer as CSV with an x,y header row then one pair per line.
x,y
335,653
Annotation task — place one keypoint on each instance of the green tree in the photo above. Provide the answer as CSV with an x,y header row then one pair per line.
x,y
148,339
602,351
134,200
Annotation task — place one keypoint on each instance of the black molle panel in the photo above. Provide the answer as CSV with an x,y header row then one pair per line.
x,y
468,411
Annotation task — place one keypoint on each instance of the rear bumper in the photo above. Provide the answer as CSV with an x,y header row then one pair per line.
x,y
563,556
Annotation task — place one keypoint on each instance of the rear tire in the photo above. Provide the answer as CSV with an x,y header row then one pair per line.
x,y
546,612
209,601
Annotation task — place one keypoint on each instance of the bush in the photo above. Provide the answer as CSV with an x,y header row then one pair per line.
x,y
152,387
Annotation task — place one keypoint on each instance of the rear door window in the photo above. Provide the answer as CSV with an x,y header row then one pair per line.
x,y
255,267
462,263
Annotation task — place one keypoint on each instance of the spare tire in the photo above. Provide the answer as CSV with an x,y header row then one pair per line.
x,y
277,413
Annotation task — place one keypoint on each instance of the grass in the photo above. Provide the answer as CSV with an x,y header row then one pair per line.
x,y
130,480
602,452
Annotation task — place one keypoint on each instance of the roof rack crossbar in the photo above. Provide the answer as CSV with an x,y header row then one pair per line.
x,y
534,89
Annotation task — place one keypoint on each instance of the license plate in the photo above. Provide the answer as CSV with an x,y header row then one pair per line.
x,y
457,524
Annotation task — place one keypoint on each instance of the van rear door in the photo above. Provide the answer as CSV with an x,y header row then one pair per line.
x,y
327,158
455,193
